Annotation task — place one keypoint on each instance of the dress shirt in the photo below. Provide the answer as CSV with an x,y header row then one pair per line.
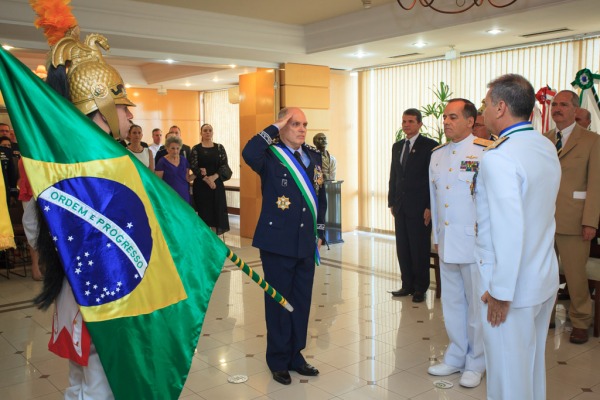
x,y
566,133
412,143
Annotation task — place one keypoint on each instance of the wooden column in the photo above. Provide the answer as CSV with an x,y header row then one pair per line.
x,y
257,110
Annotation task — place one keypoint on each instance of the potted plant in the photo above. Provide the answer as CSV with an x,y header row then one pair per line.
x,y
435,110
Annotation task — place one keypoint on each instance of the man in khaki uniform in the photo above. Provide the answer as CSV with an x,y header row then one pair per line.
x,y
577,205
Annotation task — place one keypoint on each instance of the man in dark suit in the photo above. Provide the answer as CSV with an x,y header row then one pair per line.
x,y
577,205
408,200
289,233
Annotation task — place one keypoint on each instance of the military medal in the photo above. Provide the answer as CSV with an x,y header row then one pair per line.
x,y
469,166
318,177
283,203
473,184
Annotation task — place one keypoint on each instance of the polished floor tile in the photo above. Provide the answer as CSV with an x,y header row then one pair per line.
x,y
366,344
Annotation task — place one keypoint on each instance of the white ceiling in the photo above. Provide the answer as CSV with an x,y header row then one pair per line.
x,y
205,36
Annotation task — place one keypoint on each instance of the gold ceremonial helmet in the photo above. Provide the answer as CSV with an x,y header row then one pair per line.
x,y
93,84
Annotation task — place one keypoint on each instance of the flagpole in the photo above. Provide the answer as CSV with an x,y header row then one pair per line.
x,y
258,279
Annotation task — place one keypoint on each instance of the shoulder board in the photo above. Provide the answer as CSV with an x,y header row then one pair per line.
x,y
494,137
313,148
275,140
483,142
496,143
439,147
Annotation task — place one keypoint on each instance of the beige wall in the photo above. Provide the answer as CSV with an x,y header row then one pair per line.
x,y
177,107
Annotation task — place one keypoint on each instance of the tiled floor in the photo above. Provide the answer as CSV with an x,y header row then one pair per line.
x,y
366,344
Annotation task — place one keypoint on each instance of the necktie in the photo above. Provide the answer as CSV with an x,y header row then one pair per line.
x,y
558,142
299,158
405,153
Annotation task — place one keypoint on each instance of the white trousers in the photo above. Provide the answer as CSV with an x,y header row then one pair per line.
x,y
88,383
515,353
462,316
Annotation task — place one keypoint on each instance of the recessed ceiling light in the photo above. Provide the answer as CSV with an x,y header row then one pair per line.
x,y
7,47
169,61
359,54
187,84
215,79
494,31
420,44
127,86
232,66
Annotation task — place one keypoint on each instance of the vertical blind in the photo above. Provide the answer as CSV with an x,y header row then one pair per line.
x,y
387,92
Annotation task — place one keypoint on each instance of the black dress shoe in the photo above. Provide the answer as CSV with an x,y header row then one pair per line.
x,y
418,297
282,377
307,370
402,292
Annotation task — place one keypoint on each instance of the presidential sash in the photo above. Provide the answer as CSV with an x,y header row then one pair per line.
x,y
298,172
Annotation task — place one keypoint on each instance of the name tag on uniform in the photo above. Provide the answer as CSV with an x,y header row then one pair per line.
x,y
579,195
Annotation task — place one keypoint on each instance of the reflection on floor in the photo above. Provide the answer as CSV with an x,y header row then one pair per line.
x,y
366,344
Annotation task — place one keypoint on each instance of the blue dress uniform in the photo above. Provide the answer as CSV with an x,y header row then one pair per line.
x,y
515,194
285,235
451,172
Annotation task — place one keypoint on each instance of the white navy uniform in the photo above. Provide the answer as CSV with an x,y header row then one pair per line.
x,y
451,173
515,194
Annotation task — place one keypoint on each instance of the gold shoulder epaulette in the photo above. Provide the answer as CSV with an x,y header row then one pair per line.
x,y
494,137
496,143
439,147
482,142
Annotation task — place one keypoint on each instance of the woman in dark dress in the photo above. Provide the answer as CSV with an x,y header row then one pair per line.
x,y
175,170
209,163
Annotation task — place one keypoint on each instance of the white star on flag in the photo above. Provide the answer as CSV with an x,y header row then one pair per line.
x,y
129,225
70,239
87,292
90,263
55,238
108,245
77,271
86,254
46,208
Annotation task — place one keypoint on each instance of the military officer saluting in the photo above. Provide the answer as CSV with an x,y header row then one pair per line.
x,y
452,169
289,233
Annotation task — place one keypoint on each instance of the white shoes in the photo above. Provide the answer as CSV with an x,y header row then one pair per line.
x,y
470,379
442,369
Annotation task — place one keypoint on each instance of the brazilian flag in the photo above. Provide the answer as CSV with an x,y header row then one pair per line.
x,y
141,264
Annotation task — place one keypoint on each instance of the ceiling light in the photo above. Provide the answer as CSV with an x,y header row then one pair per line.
x,y
7,47
359,54
215,79
366,3
494,31
353,73
127,86
169,61
460,6
232,66
420,44
187,84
